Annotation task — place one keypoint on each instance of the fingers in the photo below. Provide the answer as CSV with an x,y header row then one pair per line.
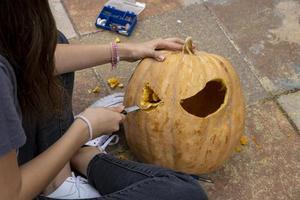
x,y
179,41
117,108
174,44
176,40
123,117
169,45
159,56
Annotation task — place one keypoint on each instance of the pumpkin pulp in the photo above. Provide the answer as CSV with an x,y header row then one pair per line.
x,y
149,98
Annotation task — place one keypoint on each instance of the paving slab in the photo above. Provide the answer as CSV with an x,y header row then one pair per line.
x,y
122,73
63,22
196,22
291,104
84,81
268,34
268,167
84,13
104,72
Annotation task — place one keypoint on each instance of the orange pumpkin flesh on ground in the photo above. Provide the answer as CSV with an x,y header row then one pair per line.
x,y
193,111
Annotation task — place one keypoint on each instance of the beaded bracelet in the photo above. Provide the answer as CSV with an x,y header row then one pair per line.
x,y
115,58
88,123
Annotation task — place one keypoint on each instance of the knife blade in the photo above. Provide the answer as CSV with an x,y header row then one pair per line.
x,y
130,109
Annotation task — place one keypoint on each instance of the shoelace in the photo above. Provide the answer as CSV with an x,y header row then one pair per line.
x,y
77,181
112,140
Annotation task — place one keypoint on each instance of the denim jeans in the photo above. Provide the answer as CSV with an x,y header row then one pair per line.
x,y
119,179
115,179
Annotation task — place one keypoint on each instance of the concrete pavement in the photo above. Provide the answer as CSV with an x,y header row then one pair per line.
x,y
261,38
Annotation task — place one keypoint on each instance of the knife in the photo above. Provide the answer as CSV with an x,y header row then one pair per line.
x,y
130,109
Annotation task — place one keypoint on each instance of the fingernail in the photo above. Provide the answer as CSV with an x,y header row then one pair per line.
x,y
161,57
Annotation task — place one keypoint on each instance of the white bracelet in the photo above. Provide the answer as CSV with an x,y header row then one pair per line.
x,y
88,123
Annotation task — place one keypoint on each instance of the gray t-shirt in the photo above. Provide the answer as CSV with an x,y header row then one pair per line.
x,y
12,135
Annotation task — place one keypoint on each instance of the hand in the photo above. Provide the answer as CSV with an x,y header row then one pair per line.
x,y
104,120
151,49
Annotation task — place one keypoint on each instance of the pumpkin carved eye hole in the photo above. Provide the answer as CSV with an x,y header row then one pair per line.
x,y
206,101
150,99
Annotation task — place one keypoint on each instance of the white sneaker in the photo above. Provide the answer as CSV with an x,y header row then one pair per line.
x,y
75,188
109,101
103,141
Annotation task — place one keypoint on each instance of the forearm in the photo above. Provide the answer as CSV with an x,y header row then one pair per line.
x,y
39,172
69,57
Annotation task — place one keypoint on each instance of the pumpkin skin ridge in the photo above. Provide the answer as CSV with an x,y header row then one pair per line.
x,y
149,151
174,151
222,156
240,114
152,149
162,138
155,110
222,143
233,126
205,125
198,142
230,132
190,64
229,90
153,140
189,61
236,128
172,146
210,148
129,139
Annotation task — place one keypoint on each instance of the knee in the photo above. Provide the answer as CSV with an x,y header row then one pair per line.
x,y
192,191
187,190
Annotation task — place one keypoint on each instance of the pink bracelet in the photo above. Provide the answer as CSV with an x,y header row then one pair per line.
x,y
114,55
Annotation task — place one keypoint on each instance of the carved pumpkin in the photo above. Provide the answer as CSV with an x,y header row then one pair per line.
x,y
192,113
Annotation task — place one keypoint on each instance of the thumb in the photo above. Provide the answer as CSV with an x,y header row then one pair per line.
x,y
159,56
117,108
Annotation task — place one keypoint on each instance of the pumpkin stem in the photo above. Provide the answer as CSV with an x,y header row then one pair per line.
x,y
188,46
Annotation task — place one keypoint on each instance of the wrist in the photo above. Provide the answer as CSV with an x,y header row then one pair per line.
x,y
87,123
81,127
125,52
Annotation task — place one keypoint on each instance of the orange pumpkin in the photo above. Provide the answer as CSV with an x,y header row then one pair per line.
x,y
193,111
